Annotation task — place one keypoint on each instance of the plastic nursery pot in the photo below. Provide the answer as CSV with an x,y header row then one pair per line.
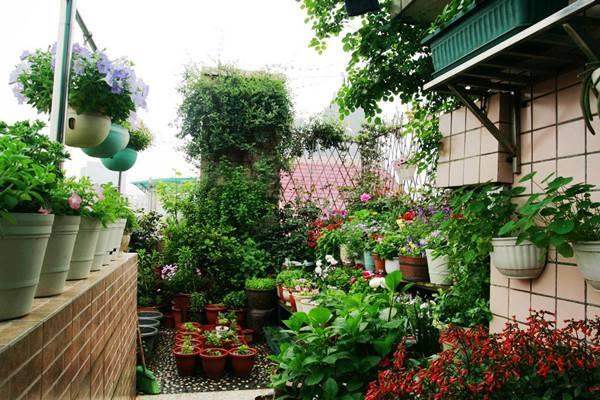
x,y
149,322
122,161
439,273
186,363
100,253
115,141
379,263
242,364
22,248
518,261
157,315
414,269
85,245
195,327
177,317
58,256
86,129
261,299
280,291
248,335
189,335
169,321
240,316
213,365
115,239
149,335
212,312
587,255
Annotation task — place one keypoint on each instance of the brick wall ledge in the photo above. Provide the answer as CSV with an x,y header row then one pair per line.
x,y
80,344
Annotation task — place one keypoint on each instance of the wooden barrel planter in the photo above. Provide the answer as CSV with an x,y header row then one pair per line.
x,y
414,269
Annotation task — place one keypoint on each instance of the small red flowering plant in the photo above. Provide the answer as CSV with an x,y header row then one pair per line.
x,y
538,362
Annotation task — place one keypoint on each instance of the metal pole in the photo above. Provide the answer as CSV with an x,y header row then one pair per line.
x,y
60,90
87,35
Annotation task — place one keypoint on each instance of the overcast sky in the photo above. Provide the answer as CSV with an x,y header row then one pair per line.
x,y
161,37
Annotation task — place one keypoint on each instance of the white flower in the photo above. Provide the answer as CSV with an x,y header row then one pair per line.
x,y
376,282
330,259
318,271
319,263
424,306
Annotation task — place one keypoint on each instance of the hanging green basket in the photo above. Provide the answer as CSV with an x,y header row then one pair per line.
x,y
122,161
117,140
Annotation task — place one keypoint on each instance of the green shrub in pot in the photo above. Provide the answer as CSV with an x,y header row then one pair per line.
x,y
260,293
25,223
235,300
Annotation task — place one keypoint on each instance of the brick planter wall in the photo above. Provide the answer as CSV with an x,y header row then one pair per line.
x,y
78,345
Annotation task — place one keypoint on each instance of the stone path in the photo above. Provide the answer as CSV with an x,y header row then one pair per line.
x,y
234,395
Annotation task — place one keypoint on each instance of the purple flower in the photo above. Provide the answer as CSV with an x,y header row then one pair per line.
x,y
435,233
167,271
103,64
17,91
25,54
78,67
116,87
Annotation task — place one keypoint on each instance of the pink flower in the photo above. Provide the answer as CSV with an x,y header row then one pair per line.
x,y
365,197
43,211
74,201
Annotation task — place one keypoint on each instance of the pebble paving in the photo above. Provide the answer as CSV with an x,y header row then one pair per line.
x,y
162,363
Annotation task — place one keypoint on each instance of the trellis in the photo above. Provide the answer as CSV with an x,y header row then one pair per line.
x,y
319,176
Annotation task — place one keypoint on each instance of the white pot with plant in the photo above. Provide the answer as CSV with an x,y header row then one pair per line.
x,y
28,176
101,91
404,169
565,217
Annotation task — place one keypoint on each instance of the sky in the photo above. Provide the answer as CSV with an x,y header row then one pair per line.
x,y
161,38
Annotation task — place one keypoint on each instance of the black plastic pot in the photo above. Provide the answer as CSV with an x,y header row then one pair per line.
x,y
258,319
261,299
360,7
154,323
149,336
151,314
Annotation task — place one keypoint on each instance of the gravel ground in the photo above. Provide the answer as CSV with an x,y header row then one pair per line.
x,y
163,366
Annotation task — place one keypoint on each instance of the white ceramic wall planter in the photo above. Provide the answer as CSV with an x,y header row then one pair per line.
x,y
85,129
587,255
522,261
439,273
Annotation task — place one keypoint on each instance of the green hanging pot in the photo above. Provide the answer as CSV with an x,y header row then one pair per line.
x,y
122,161
117,140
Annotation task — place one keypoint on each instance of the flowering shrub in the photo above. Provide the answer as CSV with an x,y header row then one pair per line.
x,y
97,85
539,362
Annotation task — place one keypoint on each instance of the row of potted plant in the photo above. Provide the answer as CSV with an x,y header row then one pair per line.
x,y
53,228
213,345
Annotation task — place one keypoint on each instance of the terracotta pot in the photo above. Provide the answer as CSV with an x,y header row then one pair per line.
x,y
182,301
147,309
169,321
212,312
189,335
240,316
248,335
414,269
242,364
197,344
292,301
379,263
185,362
208,327
180,327
177,317
214,366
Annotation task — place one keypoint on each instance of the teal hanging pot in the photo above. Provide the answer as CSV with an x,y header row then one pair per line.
x,y
122,161
117,140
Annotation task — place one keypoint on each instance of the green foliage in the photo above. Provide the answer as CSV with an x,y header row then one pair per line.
x,y
318,134
562,214
147,279
336,350
174,197
287,276
65,189
25,179
235,300
260,284
449,12
111,204
388,248
387,59
186,278
36,78
329,243
478,214
140,137
423,128
147,234
197,302
233,114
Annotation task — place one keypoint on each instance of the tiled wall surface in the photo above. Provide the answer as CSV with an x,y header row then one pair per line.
x,y
79,345
553,139
469,153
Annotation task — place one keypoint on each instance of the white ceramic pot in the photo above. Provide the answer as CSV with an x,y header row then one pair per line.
x,y
300,304
523,261
344,255
85,129
587,255
85,245
286,295
596,79
439,273
101,246
306,305
117,236
392,265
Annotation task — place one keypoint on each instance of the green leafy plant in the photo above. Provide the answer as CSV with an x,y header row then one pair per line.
x,y
147,280
187,276
423,129
140,137
449,11
319,134
186,348
148,233
111,204
235,300
243,350
174,197
388,247
212,339
287,276
562,214
197,302
260,283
